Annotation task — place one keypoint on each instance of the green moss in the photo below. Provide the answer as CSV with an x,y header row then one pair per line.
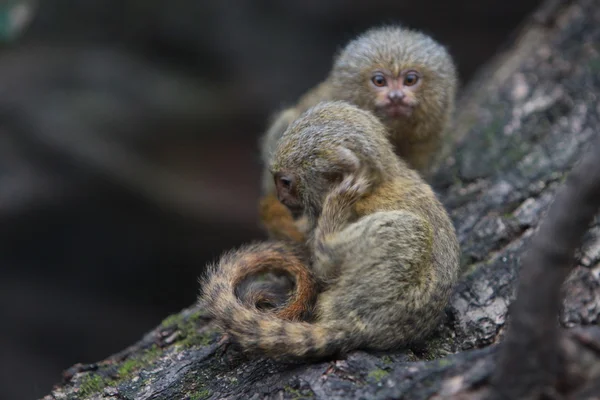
x,y
134,364
171,320
298,394
200,394
411,356
387,360
190,335
444,362
197,315
179,321
435,349
508,215
127,367
378,374
151,354
188,329
193,338
91,384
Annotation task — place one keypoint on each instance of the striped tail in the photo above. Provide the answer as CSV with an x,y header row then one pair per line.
x,y
277,334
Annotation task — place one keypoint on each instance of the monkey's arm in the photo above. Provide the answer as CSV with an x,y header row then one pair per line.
x,y
338,212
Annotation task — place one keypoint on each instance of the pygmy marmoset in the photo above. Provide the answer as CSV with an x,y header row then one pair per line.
x,y
383,247
406,78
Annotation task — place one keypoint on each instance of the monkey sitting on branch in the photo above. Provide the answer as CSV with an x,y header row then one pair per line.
x,y
406,78
384,252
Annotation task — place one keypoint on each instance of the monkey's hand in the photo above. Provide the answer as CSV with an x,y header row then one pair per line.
x,y
338,212
352,188
278,220
338,207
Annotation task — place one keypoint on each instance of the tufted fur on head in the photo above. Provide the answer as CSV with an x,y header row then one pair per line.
x,y
313,148
394,49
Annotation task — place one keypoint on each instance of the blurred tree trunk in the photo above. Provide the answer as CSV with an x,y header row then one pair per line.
x,y
522,125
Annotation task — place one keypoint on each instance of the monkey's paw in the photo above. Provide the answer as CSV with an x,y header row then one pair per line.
x,y
354,186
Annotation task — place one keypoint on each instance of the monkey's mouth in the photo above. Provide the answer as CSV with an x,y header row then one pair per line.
x,y
398,110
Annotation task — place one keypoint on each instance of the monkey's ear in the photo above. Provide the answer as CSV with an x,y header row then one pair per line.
x,y
347,159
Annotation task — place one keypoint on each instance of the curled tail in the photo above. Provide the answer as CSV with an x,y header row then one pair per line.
x,y
277,334
232,281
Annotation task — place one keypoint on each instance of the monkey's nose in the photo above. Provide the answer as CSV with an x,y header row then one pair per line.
x,y
396,96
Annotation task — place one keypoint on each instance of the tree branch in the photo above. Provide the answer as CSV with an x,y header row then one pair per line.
x,y
531,362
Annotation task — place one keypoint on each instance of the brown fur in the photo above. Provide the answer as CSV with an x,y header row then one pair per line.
x,y
416,138
384,249
237,266
278,220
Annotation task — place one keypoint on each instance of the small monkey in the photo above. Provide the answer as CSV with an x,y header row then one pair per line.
x,y
384,250
407,79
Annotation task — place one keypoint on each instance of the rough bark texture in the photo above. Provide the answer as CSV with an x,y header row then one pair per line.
x,y
522,126
532,359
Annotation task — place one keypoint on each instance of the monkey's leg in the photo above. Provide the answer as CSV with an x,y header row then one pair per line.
x,y
387,292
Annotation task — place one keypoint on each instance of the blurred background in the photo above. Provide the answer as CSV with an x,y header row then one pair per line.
x,y
128,150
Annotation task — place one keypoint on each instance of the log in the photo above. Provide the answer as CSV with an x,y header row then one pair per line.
x,y
523,124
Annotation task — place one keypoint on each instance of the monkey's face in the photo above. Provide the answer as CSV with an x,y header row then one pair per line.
x,y
320,148
394,95
398,74
303,194
286,185
302,187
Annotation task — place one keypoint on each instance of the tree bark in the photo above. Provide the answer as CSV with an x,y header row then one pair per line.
x,y
522,125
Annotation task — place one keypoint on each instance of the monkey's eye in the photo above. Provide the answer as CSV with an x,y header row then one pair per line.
x,y
379,80
286,182
411,79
